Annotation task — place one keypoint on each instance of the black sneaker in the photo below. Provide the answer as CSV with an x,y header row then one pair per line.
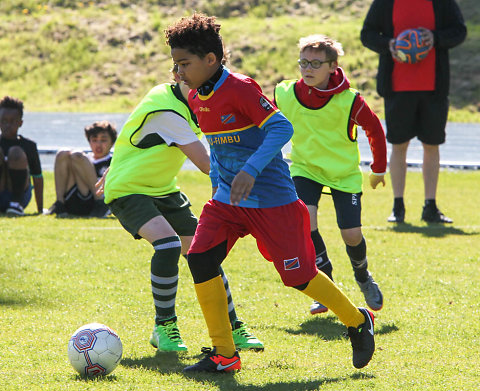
x,y
100,209
363,342
213,362
397,216
433,215
15,210
57,208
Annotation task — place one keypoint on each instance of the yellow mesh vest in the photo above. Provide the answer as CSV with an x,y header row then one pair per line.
x,y
322,148
148,167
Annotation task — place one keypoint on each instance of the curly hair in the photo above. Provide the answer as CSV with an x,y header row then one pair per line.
x,y
333,49
9,102
101,126
199,34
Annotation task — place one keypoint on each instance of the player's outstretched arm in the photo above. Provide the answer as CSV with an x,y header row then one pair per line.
x,y
197,153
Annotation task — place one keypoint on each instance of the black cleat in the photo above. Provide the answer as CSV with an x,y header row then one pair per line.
x,y
433,215
397,216
216,363
100,209
363,342
57,208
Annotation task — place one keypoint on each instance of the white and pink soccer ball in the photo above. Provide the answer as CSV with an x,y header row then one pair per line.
x,y
94,350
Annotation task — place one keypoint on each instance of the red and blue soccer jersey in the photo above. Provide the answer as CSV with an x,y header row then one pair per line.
x,y
246,132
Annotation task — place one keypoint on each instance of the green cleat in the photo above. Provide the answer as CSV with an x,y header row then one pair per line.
x,y
166,337
244,339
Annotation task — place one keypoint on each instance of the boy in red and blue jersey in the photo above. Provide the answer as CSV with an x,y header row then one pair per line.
x,y
253,194
235,116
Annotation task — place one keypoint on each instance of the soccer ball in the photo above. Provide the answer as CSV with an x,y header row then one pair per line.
x,y
409,46
94,349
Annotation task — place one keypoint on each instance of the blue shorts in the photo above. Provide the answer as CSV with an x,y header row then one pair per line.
x,y
6,198
348,206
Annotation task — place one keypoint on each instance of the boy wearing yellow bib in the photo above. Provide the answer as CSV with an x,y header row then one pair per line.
x,y
325,112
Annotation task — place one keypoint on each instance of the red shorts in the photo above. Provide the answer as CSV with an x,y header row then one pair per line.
x,y
282,234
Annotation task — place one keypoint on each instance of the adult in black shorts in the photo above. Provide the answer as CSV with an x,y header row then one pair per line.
x,y
416,95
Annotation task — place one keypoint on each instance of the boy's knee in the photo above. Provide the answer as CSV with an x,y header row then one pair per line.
x,y
352,236
301,287
17,156
202,267
77,156
205,266
62,155
16,153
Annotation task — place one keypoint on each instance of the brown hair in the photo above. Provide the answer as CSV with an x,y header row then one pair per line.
x,y
101,126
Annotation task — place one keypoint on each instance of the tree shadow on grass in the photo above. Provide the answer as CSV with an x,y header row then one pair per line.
x,y
18,301
13,296
430,230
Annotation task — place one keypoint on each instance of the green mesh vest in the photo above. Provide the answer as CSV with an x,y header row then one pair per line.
x,y
323,149
147,165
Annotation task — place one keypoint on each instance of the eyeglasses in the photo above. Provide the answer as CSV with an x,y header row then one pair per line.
x,y
315,64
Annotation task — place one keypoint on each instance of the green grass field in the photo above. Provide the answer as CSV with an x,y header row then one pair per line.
x,y
58,274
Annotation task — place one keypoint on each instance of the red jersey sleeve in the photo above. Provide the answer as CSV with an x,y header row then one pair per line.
x,y
363,116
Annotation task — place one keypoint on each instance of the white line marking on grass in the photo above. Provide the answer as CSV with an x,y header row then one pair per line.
x,y
431,227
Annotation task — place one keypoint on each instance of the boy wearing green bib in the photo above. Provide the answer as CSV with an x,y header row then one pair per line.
x,y
325,112
141,191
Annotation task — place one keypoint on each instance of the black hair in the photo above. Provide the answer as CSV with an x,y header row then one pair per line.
x,y
9,102
199,34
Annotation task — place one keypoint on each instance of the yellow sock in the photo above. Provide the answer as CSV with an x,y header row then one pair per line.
x,y
323,290
213,301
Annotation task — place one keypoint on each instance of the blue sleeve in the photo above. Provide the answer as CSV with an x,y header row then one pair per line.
x,y
278,131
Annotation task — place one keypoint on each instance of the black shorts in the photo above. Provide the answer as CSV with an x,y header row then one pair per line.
x,y
134,211
78,204
420,114
348,206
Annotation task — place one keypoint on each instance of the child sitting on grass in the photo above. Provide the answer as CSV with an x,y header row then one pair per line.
x,y
77,172
19,160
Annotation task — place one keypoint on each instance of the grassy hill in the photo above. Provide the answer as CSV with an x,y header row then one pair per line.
x,y
65,55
